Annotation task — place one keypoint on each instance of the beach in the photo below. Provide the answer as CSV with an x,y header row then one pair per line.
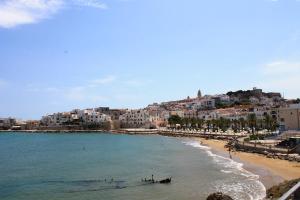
x,y
271,171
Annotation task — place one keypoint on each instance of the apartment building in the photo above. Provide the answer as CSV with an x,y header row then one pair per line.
x,y
135,118
289,117
7,123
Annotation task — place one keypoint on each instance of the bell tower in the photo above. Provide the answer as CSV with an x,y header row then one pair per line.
x,y
199,95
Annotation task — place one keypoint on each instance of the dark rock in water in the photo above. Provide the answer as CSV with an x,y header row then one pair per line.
x,y
219,196
278,190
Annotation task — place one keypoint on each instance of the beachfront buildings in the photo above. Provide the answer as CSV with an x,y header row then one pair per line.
x,y
232,106
135,119
289,117
92,116
75,117
144,118
113,113
7,123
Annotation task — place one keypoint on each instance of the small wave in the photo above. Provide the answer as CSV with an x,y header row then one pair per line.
x,y
197,145
251,187
226,171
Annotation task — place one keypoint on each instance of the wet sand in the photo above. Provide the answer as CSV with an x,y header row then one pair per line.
x,y
271,171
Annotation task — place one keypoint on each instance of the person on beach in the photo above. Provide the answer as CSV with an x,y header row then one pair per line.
x,y
229,151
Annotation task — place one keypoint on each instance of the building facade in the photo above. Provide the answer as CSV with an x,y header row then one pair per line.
x,y
289,118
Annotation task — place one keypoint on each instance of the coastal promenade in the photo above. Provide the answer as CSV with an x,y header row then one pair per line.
x,y
182,133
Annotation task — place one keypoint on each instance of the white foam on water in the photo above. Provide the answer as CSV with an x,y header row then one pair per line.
x,y
250,188
197,145
226,171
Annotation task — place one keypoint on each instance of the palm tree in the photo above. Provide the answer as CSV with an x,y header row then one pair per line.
x,y
242,123
208,123
193,122
252,121
223,124
260,123
220,123
273,124
174,119
200,123
236,125
184,122
268,122
214,124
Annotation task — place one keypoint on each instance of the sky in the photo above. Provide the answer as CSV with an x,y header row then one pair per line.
x,y
58,55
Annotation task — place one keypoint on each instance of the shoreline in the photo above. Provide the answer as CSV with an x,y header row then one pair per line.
x,y
271,171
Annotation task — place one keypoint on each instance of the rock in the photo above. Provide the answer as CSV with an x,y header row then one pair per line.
x,y
219,196
277,191
270,155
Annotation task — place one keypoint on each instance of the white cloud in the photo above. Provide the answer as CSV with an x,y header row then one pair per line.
x,y
127,97
83,94
91,3
34,88
282,76
76,93
137,82
18,12
281,67
101,81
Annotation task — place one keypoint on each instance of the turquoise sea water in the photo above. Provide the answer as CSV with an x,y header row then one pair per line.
x,y
110,167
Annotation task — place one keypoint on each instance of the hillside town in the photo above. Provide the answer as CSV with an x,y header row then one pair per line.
x,y
268,111
250,121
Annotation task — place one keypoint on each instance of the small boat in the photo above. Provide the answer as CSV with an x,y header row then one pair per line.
x,y
165,181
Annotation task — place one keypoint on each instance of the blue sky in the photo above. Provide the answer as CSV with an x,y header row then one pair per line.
x,y
56,55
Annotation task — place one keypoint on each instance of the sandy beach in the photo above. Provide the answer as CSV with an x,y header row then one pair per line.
x,y
271,171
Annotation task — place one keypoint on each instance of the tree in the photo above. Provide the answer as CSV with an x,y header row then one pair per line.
x,y
267,121
260,123
193,122
185,122
200,123
242,123
208,124
224,124
270,123
174,119
273,124
214,124
236,125
252,121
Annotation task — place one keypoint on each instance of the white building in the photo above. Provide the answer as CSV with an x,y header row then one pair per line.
x,y
6,123
260,112
207,115
180,113
136,118
204,103
78,116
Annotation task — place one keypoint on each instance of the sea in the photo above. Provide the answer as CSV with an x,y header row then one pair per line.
x,y
93,166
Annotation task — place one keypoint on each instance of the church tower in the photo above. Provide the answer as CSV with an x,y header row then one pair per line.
x,y
199,95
